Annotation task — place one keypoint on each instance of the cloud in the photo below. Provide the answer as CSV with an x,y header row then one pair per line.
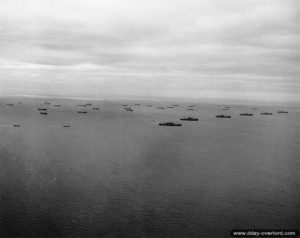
x,y
187,46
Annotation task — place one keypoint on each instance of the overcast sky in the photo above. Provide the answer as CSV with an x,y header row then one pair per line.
x,y
174,48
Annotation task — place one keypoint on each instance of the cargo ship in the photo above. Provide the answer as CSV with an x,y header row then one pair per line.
x,y
266,113
223,116
282,111
189,119
169,124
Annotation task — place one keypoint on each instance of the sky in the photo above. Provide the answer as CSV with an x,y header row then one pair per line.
x,y
240,49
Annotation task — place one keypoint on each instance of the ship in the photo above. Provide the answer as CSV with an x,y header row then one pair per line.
x,y
246,114
189,119
223,116
43,113
169,124
16,125
190,109
66,126
281,111
95,108
160,108
42,109
129,110
266,113
82,112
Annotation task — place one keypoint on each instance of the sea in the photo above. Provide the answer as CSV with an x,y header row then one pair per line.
x,y
115,173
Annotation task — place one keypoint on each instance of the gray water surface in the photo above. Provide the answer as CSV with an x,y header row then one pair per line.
x,y
118,174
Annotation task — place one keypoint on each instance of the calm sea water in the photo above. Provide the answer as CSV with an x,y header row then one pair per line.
x,y
117,174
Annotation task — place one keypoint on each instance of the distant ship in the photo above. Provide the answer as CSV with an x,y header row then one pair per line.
x,y
223,116
246,114
82,112
42,109
47,103
95,108
169,124
189,119
282,111
129,110
190,109
66,126
160,108
124,105
175,105
44,113
16,125
57,105
266,113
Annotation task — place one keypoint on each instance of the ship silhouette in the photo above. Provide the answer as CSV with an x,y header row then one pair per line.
x,y
43,113
246,114
82,112
281,111
223,116
189,119
169,124
266,113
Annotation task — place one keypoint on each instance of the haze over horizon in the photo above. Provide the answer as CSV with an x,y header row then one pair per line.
x,y
188,49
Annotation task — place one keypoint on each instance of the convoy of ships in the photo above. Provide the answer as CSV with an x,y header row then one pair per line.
x,y
44,111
